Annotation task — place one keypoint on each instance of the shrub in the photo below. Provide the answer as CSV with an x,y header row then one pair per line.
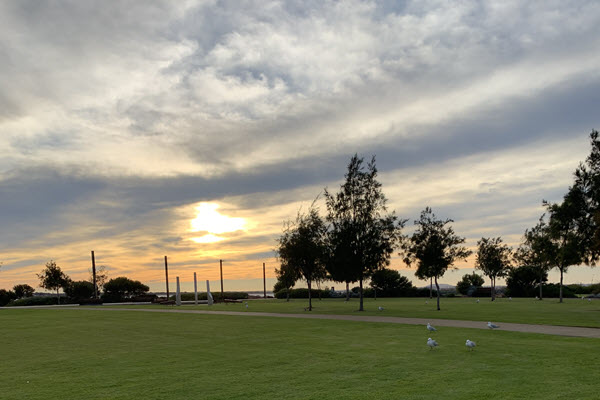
x,y
78,290
187,296
302,293
34,301
553,290
121,288
23,290
6,296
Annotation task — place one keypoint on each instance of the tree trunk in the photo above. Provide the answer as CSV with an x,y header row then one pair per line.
x,y
561,285
347,291
541,285
309,297
287,294
430,287
375,291
57,297
493,291
437,287
361,295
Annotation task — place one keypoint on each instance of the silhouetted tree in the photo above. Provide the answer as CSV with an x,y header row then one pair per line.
x,y
101,277
52,278
362,234
468,281
565,231
388,283
493,259
303,249
433,247
286,279
79,290
23,290
521,281
123,288
536,252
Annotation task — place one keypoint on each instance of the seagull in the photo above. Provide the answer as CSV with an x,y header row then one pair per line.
x,y
430,328
380,308
492,326
246,305
510,298
426,301
478,300
431,343
471,345
589,299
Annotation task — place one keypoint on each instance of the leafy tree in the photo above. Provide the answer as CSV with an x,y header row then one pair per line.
x,y
433,247
362,235
536,251
493,259
568,240
587,182
286,279
23,290
303,250
468,281
389,283
79,290
101,276
521,281
123,288
52,278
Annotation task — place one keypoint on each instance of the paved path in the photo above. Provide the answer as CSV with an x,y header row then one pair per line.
x,y
504,326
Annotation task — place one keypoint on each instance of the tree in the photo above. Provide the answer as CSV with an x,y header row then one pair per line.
x,y
79,290
52,278
389,283
433,247
302,248
6,296
587,182
101,277
23,290
122,288
536,252
286,279
493,259
521,281
362,234
467,282
568,239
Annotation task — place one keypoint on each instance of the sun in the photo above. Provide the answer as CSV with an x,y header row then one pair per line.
x,y
209,220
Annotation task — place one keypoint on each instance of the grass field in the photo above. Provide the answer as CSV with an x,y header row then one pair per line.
x,y
78,354
573,312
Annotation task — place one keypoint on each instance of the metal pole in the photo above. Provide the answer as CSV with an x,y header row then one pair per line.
x,y
94,275
167,276
221,268
195,290
178,295
264,281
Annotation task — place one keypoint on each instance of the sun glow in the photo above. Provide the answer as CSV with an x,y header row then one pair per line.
x,y
209,220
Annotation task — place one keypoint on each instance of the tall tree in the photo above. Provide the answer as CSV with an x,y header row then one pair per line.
x,y
566,228
536,252
467,282
302,247
587,182
433,247
101,277
52,278
493,259
362,234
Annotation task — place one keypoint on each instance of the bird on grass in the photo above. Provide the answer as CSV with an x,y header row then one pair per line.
x,y
431,343
478,300
471,345
492,326
380,308
430,328
246,304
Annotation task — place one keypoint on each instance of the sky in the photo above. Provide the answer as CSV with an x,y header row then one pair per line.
x,y
194,129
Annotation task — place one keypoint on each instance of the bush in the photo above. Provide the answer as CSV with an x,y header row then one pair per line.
x,y
90,302
187,296
23,290
469,283
79,290
553,290
121,288
387,282
302,293
34,301
6,296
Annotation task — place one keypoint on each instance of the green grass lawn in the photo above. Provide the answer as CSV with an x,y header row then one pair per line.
x,y
79,354
573,312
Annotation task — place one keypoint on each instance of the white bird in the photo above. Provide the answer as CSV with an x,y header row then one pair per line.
x,y
589,299
431,343
246,305
430,328
426,301
478,300
492,326
471,345
380,308
510,298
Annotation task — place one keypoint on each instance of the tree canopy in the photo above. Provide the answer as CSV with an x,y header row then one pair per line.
x,y
53,278
493,259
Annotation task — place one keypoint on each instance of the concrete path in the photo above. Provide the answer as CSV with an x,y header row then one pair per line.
x,y
504,326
